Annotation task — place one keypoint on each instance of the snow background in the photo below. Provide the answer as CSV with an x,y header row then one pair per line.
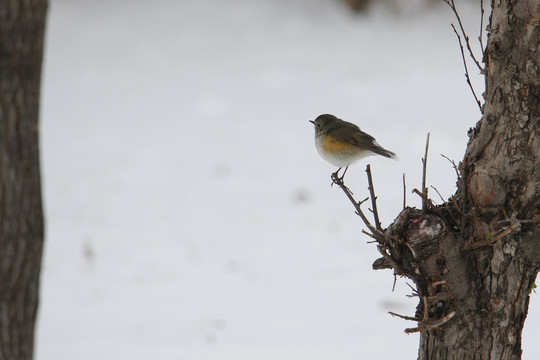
x,y
188,213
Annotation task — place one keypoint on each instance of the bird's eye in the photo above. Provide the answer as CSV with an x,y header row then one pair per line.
x,y
318,125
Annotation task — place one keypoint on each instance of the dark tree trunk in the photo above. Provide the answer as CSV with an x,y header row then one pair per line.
x,y
21,216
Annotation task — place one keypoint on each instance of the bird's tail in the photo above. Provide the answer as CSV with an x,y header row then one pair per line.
x,y
383,152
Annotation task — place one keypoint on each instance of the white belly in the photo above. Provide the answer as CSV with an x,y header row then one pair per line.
x,y
339,159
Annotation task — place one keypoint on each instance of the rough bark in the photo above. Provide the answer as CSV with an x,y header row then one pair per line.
x,y
21,217
501,169
475,259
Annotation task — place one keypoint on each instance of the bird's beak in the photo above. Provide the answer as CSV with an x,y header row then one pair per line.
x,y
311,121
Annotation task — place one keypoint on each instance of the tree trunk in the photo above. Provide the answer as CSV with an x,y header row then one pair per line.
x,y
487,280
474,259
21,216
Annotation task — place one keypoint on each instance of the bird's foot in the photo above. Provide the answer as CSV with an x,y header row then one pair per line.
x,y
336,179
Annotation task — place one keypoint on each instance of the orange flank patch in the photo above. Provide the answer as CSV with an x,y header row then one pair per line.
x,y
334,146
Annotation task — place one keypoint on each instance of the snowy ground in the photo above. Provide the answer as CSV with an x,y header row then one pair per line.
x,y
188,214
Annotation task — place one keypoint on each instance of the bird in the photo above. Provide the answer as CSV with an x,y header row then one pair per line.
x,y
341,143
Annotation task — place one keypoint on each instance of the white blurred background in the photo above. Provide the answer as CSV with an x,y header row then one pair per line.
x,y
188,213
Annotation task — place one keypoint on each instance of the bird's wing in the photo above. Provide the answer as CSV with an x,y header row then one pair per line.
x,y
351,134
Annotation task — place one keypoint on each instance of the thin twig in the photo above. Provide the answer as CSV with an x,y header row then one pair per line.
x,y
494,239
467,69
415,292
376,233
368,234
424,167
388,258
454,165
454,9
526,221
395,281
444,201
373,198
442,321
481,25
403,316
438,193
425,199
404,193
462,185
431,325
339,182
429,202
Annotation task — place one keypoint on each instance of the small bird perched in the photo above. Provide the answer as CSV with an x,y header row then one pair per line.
x,y
341,143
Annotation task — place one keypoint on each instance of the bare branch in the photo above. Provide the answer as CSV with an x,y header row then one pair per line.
x,y
403,316
494,239
445,202
370,235
339,182
425,200
454,165
438,193
415,292
373,198
481,24
388,258
428,201
454,9
432,325
460,180
404,193
424,188
466,69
